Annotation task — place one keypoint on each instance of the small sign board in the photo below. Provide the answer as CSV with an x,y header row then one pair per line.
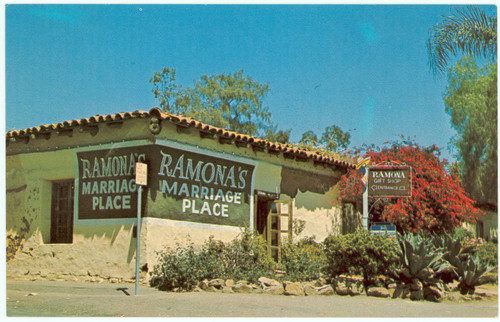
x,y
141,174
267,194
383,228
389,181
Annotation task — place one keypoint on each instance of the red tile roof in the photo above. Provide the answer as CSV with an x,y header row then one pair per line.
x,y
336,159
75,123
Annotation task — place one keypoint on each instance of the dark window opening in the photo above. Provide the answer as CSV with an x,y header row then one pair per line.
x,y
61,224
480,229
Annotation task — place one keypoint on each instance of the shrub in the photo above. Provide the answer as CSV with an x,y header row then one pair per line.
x,y
462,233
488,253
246,258
360,254
183,267
302,261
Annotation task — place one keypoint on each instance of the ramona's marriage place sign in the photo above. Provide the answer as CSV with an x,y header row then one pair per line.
x,y
181,185
389,181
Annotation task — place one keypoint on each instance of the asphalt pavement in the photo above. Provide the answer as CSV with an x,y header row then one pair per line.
x,y
67,299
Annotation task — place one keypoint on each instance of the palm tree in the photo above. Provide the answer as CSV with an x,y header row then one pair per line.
x,y
470,31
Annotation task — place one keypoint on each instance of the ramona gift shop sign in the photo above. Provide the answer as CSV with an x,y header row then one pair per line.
x,y
389,181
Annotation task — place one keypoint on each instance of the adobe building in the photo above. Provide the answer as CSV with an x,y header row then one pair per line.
x,y
71,196
486,226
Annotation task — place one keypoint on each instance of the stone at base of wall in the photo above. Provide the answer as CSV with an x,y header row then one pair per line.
x,y
76,279
242,288
275,290
294,288
378,292
49,272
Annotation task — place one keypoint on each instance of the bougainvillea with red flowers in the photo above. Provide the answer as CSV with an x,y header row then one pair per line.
x,y
438,202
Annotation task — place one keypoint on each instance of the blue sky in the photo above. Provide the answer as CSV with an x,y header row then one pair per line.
x,y
363,68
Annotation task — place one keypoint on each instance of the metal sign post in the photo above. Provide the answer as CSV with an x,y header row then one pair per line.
x,y
365,203
141,170
362,167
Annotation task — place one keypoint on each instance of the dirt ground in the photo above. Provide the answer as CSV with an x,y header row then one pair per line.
x,y
67,299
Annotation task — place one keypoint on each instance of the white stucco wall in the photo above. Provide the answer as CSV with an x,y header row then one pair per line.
x,y
106,248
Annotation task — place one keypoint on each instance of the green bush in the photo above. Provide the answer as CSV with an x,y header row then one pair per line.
x,y
488,253
302,261
246,258
360,253
413,260
462,233
183,267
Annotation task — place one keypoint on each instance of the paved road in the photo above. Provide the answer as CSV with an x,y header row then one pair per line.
x,y
66,299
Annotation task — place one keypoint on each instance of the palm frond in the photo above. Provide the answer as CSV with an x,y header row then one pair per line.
x,y
469,31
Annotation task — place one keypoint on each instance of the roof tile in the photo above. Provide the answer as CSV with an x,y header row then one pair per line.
x,y
185,121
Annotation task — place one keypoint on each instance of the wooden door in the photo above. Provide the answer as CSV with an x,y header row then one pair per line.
x,y
279,226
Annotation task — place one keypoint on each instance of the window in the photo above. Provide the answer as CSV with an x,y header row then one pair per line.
x,y
61,224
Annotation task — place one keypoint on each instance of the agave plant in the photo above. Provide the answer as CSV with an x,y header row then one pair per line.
x,y
453,253
466,266
471,273
420,264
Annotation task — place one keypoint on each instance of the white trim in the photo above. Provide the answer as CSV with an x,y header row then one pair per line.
x,y
187,224
197,149
251,201
105,146
107,222
157,222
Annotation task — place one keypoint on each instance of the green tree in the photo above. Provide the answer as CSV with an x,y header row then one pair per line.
x,y
334,138
228,101
166,90
471,101
309,138
470,31
275,135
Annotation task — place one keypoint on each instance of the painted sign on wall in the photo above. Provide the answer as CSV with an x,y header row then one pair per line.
x,y
182,185
106,182
389,181
202,188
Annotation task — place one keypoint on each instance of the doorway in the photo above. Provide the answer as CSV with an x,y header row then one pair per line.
x,y
273,221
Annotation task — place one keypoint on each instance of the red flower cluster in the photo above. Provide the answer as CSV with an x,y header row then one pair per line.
x,y
438,202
